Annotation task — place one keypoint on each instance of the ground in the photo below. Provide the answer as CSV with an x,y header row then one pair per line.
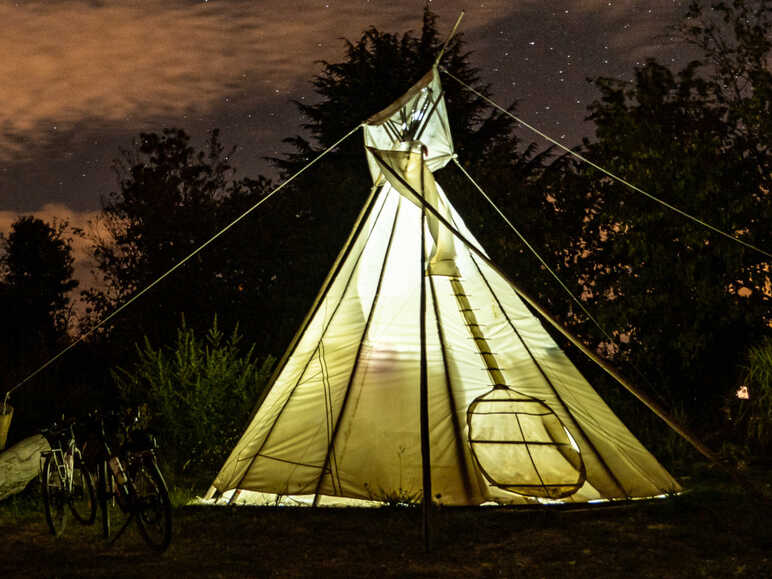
x,y
717,529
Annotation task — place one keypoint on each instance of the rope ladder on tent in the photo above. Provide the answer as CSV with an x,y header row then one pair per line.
x,y
648,401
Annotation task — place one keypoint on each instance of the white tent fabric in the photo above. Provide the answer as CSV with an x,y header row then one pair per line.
x,y
511,420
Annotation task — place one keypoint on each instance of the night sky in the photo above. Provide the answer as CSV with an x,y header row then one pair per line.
x,y
80,79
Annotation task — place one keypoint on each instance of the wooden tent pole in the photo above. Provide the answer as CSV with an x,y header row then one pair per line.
x,y
663,414
448,39
426,467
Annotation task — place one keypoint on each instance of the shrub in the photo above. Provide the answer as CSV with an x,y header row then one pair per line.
x,y
199,394
750,408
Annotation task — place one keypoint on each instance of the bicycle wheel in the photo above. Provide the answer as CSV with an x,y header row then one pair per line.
x,y
105,496
82,495
54,498
153,508
113,506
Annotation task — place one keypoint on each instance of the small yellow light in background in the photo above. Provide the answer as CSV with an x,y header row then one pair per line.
x,y
742,393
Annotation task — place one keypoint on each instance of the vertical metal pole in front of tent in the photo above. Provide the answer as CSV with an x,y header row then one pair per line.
x,y
424,386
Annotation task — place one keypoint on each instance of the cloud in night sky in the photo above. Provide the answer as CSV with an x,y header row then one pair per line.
x,y
79,79
70,61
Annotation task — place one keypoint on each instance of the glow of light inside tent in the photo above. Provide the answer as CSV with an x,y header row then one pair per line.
x,y
571,440
742,393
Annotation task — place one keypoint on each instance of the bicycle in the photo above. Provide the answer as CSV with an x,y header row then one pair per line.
x,y
65,481
130,482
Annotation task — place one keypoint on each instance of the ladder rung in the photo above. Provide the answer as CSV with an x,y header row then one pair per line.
x,y
530,442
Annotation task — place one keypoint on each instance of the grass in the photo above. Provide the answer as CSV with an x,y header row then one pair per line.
x,y
23,506
715,530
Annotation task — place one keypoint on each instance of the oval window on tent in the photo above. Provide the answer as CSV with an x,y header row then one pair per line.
x,y
520,445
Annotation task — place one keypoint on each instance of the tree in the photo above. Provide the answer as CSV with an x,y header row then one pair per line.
x,y
36,269
378,69
734,40
684,302
172,199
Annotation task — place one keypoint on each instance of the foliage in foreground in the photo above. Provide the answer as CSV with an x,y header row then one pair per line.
x,y
751,408
199,393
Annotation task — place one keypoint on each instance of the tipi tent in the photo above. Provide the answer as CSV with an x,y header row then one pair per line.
x,y
418,359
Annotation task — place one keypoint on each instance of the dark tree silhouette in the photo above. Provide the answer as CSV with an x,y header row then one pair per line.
x,y
172,199
36,272
689,301
36,268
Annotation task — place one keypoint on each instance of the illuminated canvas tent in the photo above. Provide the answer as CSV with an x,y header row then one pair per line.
x,y
418,358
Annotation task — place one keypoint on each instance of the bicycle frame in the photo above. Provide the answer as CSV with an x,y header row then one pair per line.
x,y
62,493
63,460
118,474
